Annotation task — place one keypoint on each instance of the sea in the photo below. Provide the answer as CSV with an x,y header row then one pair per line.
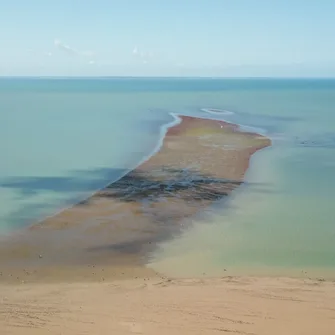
x,y
61,139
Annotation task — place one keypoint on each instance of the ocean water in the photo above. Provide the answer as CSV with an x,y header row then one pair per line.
x,y
62,139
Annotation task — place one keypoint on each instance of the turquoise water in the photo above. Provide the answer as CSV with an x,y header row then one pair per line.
x,y
61,139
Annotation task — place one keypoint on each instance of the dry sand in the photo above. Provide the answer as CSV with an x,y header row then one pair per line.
x,y
259,306
84,270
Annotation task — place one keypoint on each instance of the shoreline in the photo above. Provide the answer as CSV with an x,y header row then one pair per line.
x,y
163,130
196,162
84,269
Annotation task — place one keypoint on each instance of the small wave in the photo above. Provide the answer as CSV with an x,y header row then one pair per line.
x,y
216,111
252,129
242,127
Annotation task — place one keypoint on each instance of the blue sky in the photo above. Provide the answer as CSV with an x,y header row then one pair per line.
x,y
171,37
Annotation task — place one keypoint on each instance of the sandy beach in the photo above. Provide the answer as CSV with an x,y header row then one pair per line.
x,y
83,271
229,305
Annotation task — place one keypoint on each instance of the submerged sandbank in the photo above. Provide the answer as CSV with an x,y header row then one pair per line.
x,y
199,162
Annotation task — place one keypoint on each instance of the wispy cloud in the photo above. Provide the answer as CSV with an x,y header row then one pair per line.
x,y
72,51
143,55
64,47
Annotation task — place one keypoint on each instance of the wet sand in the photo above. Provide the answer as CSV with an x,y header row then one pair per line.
x,y
84,270
200,161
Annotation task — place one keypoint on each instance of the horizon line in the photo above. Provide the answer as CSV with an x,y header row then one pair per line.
x,y
158,77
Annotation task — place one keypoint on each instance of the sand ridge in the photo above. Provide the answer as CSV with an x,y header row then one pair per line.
x,y
83,271
200,161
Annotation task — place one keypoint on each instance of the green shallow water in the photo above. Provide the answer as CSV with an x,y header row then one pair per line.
x,y
284,227
62,139
283,221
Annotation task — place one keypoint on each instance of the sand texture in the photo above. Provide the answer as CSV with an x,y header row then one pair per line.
x,y
112,233
243,306
84,270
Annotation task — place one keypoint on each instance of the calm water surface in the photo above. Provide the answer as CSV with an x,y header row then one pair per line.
x,y
61,139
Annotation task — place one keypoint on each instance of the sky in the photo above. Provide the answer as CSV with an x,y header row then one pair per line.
x,y
229,38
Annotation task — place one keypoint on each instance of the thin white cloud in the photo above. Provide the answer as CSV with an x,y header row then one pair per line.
x,y
64,47
143,55
72,51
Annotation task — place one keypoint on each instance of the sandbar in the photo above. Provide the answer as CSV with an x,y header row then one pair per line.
x,y
200,162
83,271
